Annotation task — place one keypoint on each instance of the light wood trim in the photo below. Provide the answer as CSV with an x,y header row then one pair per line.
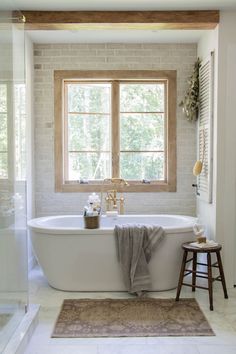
x,y
89,151
142,112
65,134
89,114
115,74
134,186
150,81
58,20
86,81
166,132
137,151
58,134
115,129
171,134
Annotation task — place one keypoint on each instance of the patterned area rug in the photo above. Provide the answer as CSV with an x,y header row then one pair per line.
x,y
143,317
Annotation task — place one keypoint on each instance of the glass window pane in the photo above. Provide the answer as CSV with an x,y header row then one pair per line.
x,y
3,132
142,97
142,132
3,165
138,166
20,130
89,166
3,98
88,132
89,97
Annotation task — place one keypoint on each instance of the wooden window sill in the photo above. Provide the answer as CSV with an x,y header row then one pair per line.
x,y
134,187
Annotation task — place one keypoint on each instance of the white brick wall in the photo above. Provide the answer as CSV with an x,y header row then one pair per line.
x,y
50,57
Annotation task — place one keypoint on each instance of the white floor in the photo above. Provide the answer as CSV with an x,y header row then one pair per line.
x,y
11,315
222,320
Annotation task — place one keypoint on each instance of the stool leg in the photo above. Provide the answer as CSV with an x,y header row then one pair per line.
x,y
194,271
210,280
181,275
222,276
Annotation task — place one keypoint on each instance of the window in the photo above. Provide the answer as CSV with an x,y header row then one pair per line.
x,y
87,126
20,131
142,112
12,131
115,124
3,132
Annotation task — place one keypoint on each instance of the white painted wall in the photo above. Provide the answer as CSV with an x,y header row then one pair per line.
x,y
226,143
220,216
207,212
50,57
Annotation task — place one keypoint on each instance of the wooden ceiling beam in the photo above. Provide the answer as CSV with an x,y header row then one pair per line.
x,y
61,20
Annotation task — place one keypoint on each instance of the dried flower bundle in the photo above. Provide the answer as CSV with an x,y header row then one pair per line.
x,y
190,103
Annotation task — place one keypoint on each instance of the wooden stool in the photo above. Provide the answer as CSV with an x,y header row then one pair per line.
x,y
195,273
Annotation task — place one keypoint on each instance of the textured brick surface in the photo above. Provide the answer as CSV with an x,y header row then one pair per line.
x,y
50,57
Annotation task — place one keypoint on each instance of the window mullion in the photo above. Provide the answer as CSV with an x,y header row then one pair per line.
x,y
115,129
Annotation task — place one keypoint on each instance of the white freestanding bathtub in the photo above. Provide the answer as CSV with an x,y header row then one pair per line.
x,y
77,259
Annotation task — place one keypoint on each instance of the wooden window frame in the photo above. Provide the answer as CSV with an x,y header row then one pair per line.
x,y
169,185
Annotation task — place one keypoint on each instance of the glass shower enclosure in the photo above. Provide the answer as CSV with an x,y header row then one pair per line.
x,y
13,233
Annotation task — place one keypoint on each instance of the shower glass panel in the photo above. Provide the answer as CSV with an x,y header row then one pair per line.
x,y
13,234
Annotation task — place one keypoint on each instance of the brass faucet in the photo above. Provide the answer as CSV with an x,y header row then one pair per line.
x,y
111,196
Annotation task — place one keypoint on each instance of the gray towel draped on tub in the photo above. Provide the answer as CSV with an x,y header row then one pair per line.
x,y
135,245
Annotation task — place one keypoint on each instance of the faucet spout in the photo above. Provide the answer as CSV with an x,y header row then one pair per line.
x,y
111,198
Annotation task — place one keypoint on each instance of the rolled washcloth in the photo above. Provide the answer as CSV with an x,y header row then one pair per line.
x,y
207,244
135,245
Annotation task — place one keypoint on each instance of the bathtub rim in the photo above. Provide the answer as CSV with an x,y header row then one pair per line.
x,y
34,225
